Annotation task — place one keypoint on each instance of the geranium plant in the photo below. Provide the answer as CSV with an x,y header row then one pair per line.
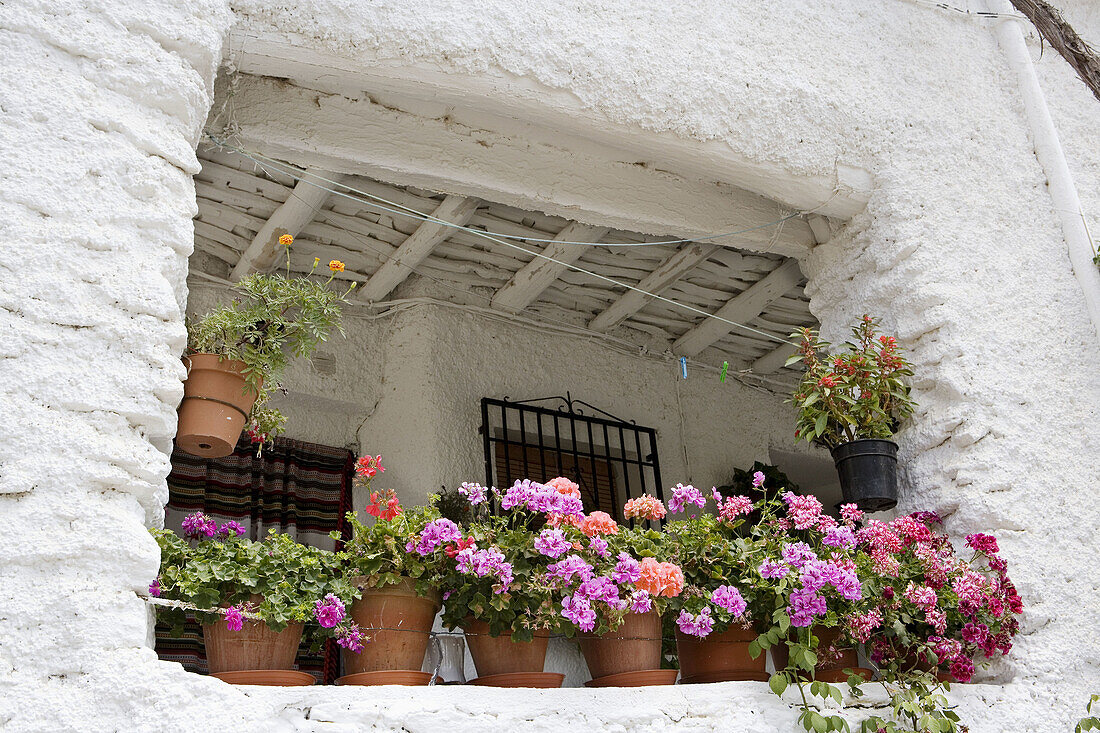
x,y
225,577
855,394
274,318
380,553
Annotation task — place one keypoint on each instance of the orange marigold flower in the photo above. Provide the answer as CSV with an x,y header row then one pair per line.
x,y
644,507
564,486
336,265
286,240
659,578
598,523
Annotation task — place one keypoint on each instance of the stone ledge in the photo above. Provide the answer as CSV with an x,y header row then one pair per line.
x,y
729,706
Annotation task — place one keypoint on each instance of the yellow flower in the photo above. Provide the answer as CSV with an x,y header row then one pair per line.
x,y
316,261
286,240
336,266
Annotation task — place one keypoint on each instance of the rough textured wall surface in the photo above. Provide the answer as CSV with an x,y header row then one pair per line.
x,y
959,249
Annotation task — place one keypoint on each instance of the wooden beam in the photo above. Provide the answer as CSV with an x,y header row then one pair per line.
x,y
292,215
665,274
537,275
454,209
745,306
774,360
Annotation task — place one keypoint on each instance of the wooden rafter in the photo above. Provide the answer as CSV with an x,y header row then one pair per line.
x,y
665,274
744,307
456,210
538,274
774,360
290,218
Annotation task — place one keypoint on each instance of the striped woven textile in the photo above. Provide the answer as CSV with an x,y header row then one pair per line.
x,y
298,488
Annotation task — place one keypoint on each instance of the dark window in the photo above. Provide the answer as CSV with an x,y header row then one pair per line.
x,y
610,459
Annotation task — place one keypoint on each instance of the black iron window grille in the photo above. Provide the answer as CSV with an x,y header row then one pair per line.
x,y
612,460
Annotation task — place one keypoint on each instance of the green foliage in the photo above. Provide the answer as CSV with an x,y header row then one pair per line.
x,y
375,555
1091,722
275,318
282,578
856,394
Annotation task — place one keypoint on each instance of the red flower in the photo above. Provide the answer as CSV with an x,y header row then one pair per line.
x,y
461,545
389,499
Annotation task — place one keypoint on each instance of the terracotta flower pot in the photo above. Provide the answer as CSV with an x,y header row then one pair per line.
x,y
827,670
646,678
404,677
254,647
719,657
216,401
633,647
537,680
500,655
398,622
267,677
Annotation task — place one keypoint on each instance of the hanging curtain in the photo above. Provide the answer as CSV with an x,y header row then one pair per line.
x,y
296,488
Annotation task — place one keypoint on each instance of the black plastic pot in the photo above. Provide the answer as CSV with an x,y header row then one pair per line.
x,y
868,472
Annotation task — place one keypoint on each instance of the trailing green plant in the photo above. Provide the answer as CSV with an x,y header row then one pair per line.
x,y
225,576
275,317
1091,722
856,394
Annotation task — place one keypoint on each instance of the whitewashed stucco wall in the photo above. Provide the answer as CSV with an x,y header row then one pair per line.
x,y
959,249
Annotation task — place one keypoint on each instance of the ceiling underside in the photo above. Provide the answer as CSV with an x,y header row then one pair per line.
x,y
237,198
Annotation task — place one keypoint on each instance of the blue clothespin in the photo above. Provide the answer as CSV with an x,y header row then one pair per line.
x,y
725,366
684,367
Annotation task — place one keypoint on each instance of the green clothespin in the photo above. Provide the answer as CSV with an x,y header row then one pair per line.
x,y
725,366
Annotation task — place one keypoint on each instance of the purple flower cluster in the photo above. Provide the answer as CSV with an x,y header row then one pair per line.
x,y
797,554
598,545
434,535
841,536
729,598
771,569
199,525
700,625
758,479
627,569
684,495
552,543
572,566
329,611
483,563
640,602
578,609
154,588
351,638
474,493
805,605
816,574
234,619
536,497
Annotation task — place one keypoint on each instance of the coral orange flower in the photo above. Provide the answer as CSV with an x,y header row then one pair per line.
x,y
336,265
598,523
562,485
644,507
286,240
659,578
557,520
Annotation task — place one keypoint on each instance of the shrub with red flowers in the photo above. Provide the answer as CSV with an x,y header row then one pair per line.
x,y
277,580
856,394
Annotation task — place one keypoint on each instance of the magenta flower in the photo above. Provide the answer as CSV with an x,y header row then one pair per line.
x,y
598,545
578,609
850,513
154,588
199,525
771,569
975,633
758,479
684,495
983,543
552,543
797,554
572,566
483,563
962,669
350,637
804,606
231,529
700,625
729,598
474,493
329,611
627,569
436,534
734,507
640,602
804,511
840,537
234,619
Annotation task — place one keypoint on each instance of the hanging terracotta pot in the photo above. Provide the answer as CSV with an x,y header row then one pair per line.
x,y
868,471
720,657
496,655
633,647
398,622
255,647
828,669
216,401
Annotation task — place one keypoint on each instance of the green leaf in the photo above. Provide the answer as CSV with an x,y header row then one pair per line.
x,y
778,683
